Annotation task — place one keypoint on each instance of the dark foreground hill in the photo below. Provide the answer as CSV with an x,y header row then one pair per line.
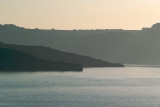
x,y
12,60
46,53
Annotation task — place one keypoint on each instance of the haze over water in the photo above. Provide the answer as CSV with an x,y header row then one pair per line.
x,y
94,87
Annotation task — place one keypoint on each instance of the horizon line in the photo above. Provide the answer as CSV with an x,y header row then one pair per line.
x,y
81,29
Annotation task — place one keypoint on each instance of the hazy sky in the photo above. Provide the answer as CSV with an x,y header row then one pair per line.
x,y
80,14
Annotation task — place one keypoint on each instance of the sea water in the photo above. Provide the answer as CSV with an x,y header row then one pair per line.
x,y
94,87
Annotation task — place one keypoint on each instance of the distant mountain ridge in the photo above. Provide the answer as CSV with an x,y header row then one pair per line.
x,y
125,46
46,53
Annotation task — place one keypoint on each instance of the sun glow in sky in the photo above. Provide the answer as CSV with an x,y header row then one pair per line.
x,y
80,14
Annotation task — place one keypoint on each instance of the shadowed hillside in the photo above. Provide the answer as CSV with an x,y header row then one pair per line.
x,y
12,60
55,55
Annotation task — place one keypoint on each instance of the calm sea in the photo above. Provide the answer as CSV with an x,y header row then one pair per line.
x,y
94,87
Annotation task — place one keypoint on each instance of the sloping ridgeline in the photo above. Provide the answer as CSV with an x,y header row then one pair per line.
x,y
140,47
47,53
13,60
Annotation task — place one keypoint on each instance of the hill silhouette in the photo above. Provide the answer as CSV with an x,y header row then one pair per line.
x,y
125,46
47,53
12,60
